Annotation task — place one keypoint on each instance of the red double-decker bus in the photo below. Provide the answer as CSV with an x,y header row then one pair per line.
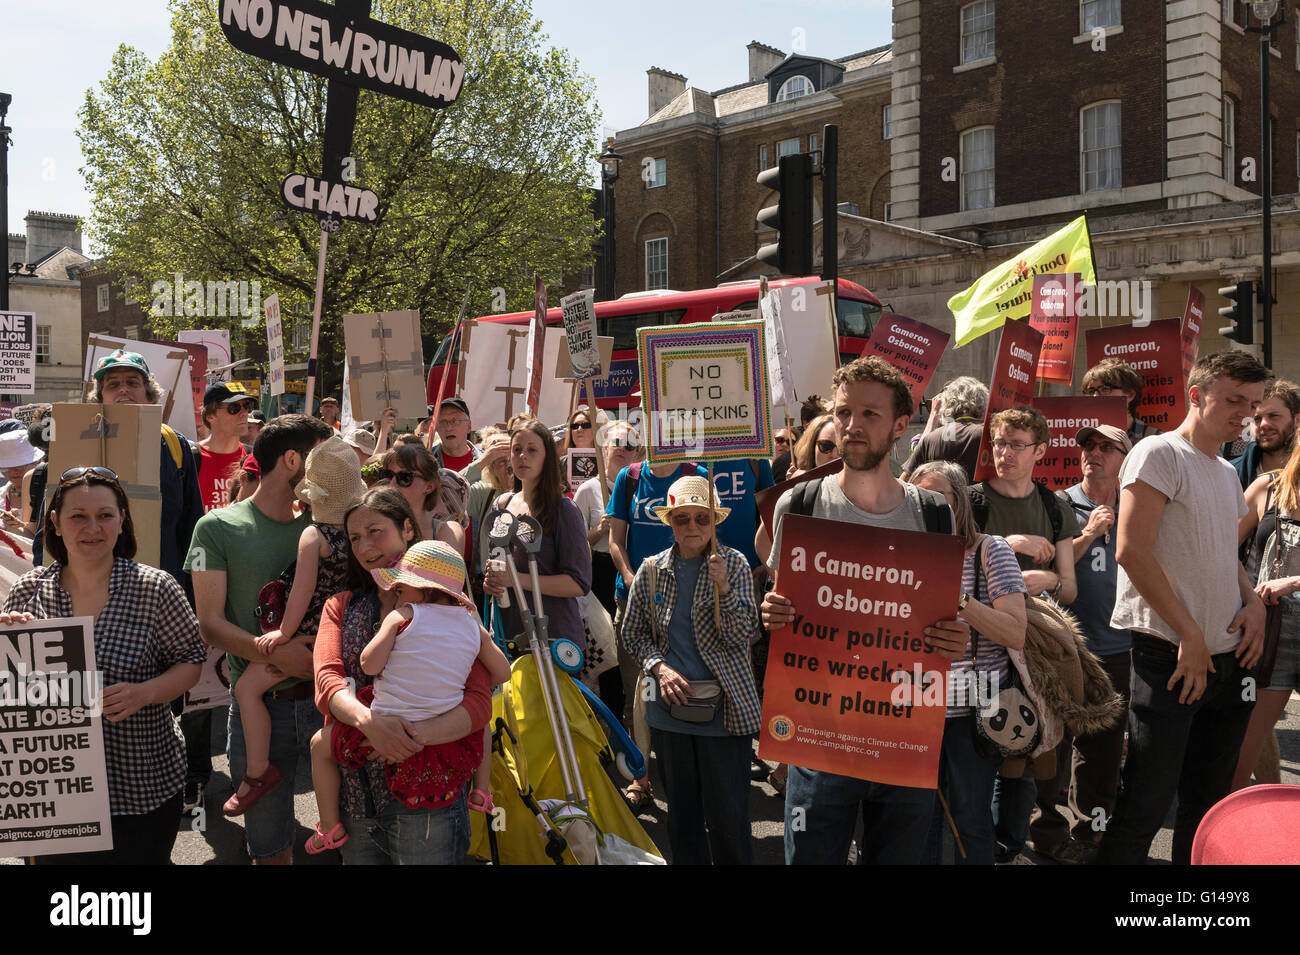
x,y
856,312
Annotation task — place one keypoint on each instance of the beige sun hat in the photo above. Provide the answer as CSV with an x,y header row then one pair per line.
x,y
333,481
693,491
362,440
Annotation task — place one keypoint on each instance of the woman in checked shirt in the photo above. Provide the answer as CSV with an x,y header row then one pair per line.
x,y
147,649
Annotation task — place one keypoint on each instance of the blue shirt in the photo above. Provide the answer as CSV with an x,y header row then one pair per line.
x,y
646,534
1096,573
684,656
737,485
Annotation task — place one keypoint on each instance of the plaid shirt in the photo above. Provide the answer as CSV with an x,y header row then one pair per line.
x,y
726,652
146,628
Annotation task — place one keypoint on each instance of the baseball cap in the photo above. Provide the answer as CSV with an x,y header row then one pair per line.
x,y
121,359
257,416
224,392
457,403
249,464
329,400
1107,431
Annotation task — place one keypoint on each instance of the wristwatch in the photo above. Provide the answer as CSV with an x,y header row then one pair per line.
x,y
962,601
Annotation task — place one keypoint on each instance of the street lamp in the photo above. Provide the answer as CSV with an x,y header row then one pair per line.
x,y
5,100
609,161
1264,11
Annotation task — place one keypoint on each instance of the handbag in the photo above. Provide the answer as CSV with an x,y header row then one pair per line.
x,y
1273,563
272,600
705,697
1009,726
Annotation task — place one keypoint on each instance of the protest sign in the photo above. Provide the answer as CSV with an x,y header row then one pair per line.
x,y
1066,416
812,342
739,315
766,499
564,370
333,200
197,357
913,347
1155,352
1193,315
1054,311
536,346
18,353
580,466
579,313
851,688
125,439
385,364
169,363
491,375
217,342
53,781
1012,384
783,391
213,688
274,344
704,388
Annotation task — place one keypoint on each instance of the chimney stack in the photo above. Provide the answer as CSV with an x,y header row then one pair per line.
x,y
762,58
664,88
50,231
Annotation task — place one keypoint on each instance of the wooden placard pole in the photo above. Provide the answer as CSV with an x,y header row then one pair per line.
x,y
589,397
713,549
315,321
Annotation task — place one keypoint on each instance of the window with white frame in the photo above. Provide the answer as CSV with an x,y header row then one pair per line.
x,y
977,168
1229,139
656,263
762,157
658,173
1098,13
889,211
1230,11
977,31
101,293
132,332
815,147
887,122
42,344
587,277
787,147
1100,141
302,336
795,87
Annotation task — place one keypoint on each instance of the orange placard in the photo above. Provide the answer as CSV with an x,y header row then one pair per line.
x,y
850,686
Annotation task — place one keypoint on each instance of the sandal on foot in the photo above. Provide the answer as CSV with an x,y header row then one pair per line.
x,y
484,804
326,840
258,786
639,798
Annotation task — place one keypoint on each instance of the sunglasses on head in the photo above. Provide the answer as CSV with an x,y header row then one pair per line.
x,y
71,474
684,520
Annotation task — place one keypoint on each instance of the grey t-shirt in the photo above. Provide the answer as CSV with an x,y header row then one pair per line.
x,y
1196,544
833,505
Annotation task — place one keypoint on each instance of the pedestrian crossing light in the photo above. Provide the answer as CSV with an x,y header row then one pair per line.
x,y
1241,312
792,179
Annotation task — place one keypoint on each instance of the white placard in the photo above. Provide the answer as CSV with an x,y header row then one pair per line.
x,y
492,375
217,342
274,345
812,344
171,369
18,353
579,313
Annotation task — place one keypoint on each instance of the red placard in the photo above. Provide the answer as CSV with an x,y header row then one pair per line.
x,y
767,498
198,365
913,347
1156,354
1193,316
1012,384
1066,416
1054,311
850,690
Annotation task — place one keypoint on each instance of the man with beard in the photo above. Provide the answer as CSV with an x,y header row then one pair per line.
x,y
872,405
235,551
1275,426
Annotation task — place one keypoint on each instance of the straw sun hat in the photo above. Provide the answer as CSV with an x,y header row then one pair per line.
x,y
429,565
693,491
332,482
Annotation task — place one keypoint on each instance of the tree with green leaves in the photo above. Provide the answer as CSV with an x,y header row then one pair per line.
x,y
184,157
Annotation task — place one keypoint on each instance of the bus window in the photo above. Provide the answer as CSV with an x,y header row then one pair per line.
x,y
856,319
440,356
623,327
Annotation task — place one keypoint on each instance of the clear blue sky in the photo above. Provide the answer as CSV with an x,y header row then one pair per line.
x,y
52,51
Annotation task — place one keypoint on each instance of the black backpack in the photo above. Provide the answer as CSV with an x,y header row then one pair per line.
x,y
979,505
934,509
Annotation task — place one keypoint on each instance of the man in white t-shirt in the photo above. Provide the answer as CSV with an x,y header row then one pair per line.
x,y
1196,636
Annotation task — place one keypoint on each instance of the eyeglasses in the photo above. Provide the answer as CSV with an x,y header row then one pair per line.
x,y
825,447
684,520
580,426
71,474
1102,392
782,440
1016,446
1105,447
237,406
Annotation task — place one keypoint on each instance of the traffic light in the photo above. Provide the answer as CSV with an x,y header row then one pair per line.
x,y
1241,312
791,216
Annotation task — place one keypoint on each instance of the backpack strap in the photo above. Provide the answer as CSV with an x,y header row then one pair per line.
x,y
173,442
935,512
804,497
1052,504
979,505
630,486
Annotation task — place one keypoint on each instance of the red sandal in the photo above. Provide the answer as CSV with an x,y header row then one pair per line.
x,y
258,786
327,840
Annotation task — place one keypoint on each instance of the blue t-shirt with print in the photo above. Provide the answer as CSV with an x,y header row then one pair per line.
x,y
1096,573
646,534
737,486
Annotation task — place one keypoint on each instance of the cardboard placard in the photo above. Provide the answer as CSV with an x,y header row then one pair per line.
x,y
18,353
1193,317
704,391
491,377
1012,384
53,778
168,363
564,370
385,364
1067,415
580,467
913,347
1156,353
274,344
766,499
850,686
1054,311
579,313
128,446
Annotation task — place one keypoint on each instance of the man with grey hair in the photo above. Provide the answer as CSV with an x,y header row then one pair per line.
x,y
955,426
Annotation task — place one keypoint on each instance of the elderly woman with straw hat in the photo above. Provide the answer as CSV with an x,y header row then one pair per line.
x,y
690,621
17,458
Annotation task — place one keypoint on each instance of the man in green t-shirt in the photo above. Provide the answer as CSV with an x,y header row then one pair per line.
x,y
235,551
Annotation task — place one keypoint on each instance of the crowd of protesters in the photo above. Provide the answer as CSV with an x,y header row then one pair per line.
x,y
302,551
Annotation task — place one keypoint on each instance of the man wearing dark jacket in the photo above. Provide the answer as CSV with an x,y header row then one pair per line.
x,y
1275,427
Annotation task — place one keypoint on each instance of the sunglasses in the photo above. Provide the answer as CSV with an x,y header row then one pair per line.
x,y
684,520
237,406
580,426
825,447
71,474
400,478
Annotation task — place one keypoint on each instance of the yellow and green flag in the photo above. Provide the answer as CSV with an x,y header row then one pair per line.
x,y
1005,291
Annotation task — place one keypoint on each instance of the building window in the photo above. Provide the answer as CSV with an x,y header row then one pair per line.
x,y
787,147
42,344
1229,11
887,122
977,31
1229,139
815,147
132,332
656,263
587,277
762,157
889,211
1099,13
658,169
102,293
1101,147
795,87
977,168
302,336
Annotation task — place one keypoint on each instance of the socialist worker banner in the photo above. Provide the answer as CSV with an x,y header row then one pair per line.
x,y
1067,415
913,347
851,687
1156,353
1054,311
1012,383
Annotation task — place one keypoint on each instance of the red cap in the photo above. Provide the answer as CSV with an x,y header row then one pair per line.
x,y
249,464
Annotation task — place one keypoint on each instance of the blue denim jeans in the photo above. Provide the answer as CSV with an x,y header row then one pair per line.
x,y
403,836
821,811
706,784
1013,803
966,781
269,827
1188,749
